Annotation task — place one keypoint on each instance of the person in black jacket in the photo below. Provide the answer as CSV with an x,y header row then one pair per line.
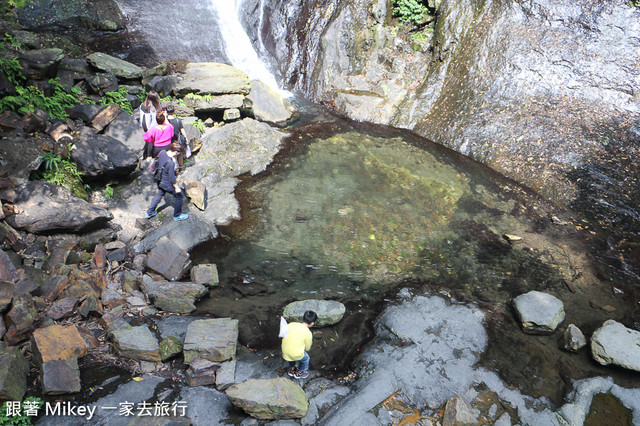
x,y
167,163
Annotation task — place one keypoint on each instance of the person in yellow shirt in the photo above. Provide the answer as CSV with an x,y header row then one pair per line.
x,y
296,344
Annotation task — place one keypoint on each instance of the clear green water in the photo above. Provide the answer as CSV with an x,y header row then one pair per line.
x,y
355,213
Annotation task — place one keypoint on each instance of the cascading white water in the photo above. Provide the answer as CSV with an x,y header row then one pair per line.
x,y
239,49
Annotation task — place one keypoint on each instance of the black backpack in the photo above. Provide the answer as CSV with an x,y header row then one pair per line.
x,y
157,175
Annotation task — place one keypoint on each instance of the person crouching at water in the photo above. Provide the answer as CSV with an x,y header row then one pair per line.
x,y
167,164
158,137
295,344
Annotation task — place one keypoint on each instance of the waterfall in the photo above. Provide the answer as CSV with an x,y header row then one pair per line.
x,y
238,47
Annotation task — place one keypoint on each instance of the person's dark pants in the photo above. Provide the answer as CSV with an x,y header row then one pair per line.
x,y
177,205
152,151
304,363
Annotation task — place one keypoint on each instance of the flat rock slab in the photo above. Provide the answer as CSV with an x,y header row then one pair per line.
x,y
329,311
539,313
613,343
57,342
168,259
137,343
176,297
270,399
43,206
211,339
60,376
210,78
118,67
185,234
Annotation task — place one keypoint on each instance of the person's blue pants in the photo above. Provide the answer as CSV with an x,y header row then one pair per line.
x,y
303,363
177,206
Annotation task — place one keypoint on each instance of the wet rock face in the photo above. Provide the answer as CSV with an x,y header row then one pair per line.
x,y
544,92
74,15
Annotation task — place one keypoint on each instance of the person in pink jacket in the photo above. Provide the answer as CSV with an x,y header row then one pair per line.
x,y
158,137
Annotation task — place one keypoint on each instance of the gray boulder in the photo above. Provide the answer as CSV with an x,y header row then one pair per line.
x,y
101,83
613,343
103,157
84,112
209,78
40,64
168,259
176,297
117,67
269,105
163,85
211,339
13,374
127,130
8,271
60,376
539,313
205,274
137,343
71,71
185,234
18,158
226,375
329,311
269,399
169,347
573,338
45,207
214,103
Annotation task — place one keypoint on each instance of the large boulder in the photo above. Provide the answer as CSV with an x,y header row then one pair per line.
x,y
117,67
13,374
103,157
270,399
19,157
127,130
20,318
329,311
211,339
168,259
40,64
209,78
205,274
214,103
270,106
70,71
185,234
613,343
137,343
43,207
163,85
231,150
539,313
177,297
57,342
60,376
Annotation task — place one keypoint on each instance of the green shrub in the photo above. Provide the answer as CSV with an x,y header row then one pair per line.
x,y
108,191
142,95
118,98
11,68
410,11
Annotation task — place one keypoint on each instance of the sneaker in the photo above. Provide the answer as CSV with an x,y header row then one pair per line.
x,y
149,216
293,372
183,216
301,374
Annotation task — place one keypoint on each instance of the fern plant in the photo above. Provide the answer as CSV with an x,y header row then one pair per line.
x,y
30,98
64,173
11,68
118,98
198,124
